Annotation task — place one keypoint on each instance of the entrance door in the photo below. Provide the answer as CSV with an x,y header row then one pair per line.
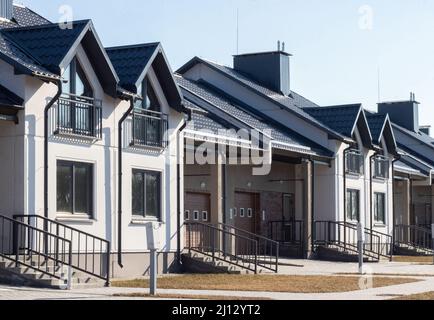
x,y
246,211
198,209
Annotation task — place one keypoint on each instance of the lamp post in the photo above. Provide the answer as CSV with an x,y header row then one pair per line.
x,y
153,235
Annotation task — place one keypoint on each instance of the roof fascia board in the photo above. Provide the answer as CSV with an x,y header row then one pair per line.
x,y
147,67
366,127
395,126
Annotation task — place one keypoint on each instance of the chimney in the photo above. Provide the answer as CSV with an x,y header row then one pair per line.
x,y
403,113
426,130
6,9
269,69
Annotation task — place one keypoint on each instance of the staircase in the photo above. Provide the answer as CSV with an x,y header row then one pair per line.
x,y
338,241
40,252
225,249
413,241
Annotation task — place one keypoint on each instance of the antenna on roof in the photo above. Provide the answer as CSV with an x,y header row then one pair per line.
x,y
379,85
278,45
283,46
238,31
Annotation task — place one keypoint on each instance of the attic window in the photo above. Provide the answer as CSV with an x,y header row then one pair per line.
x,y
77,82
150,101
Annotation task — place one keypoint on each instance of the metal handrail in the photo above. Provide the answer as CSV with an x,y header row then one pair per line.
x,y
27,243
149,129
213,242
268,248
414,236
91,252
330,233
284,225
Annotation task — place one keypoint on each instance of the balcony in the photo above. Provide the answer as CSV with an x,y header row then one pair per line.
x,y
77,116
381,168
354,162
149,129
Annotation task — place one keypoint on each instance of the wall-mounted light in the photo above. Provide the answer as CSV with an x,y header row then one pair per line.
x,y
203,185
249,184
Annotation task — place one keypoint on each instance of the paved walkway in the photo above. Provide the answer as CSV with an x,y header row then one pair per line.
x,y
298,267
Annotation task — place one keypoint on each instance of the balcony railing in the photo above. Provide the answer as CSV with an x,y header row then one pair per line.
x,y
354,162
381,167
78,116
149,129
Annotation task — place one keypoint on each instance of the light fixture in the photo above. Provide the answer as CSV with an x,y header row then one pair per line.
x,y
203,185
249,184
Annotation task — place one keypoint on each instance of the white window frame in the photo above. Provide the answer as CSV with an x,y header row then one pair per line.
x,y
250,213
187,215
205,216
242,212
196,215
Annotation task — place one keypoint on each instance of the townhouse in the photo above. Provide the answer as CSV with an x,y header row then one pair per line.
x,y
89,148
107,154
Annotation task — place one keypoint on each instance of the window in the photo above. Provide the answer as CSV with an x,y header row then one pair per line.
x,y
196,215
380,208
77,82
242,213
353,205
381,167
74,188
146,194
249,213
150,101
187,215
235,212
354,162
205,216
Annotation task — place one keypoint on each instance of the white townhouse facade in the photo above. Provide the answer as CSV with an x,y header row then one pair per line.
x,y
96,187
343,158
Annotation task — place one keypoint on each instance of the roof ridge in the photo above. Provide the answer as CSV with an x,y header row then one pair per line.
x,y
132,46
42,26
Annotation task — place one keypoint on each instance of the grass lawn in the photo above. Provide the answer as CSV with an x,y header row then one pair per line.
x,y
422,296
414,259
264,283
188,297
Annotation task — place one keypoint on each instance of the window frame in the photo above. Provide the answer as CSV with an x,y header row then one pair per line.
x,y
205,216
145,173
242,212
377,196
73,165
187,215
350,205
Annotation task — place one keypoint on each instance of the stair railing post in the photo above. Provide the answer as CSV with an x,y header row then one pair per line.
x,y
57,246
107,283
213,244
15,243
256,257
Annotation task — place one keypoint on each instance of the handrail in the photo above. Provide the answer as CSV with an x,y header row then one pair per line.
x,y
222,245
91,253
415,236
149,129
268,248
330,233
294,226
20,243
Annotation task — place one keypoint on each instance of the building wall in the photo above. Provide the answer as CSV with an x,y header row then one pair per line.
x,y
22,162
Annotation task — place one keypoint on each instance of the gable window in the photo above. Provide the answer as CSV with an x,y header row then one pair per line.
x,y
150,101
354,162
146,194
353,205
78,112
75,188
380,208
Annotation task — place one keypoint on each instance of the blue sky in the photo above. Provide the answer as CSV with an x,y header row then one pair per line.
x,y
338,45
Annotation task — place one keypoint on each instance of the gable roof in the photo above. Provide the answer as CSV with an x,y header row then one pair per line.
x,y
380,127
132,63
238,117
52,48
344,119
24,16
294,103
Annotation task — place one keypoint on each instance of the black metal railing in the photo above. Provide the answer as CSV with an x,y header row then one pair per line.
x,y
222,245
286,231
149,129
77,115
90,254
344,236
268,249
35,249
354,162
414,237
381,167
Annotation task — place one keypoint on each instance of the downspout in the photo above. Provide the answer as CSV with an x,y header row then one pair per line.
x,y
312,199
394,205
120,175
371,194
412,219
345,193
46,128
179,189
